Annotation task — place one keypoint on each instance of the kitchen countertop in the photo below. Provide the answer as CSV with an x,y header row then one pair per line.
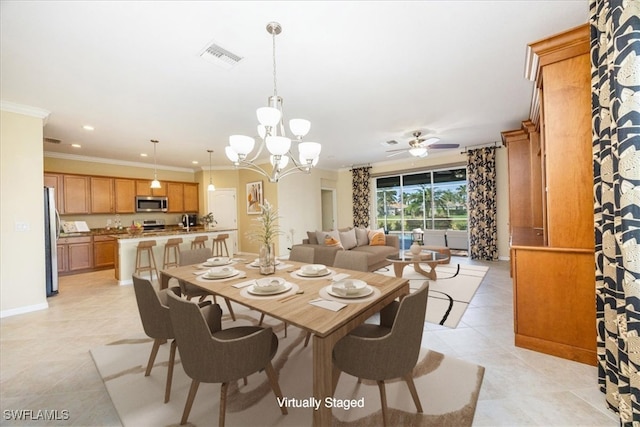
x,y
122,233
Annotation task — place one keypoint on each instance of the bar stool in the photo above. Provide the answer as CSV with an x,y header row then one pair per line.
x,y
218,243
172,250
198,242
146,246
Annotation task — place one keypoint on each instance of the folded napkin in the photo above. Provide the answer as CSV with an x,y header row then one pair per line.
x,y
339,277
329,305
283,266
199,272
244,284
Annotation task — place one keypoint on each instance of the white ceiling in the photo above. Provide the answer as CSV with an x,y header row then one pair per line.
x,y
361,72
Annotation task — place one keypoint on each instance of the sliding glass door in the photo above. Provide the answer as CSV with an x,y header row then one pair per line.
x,y
430,200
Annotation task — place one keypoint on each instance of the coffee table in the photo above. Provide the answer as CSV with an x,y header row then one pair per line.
x,y
431,258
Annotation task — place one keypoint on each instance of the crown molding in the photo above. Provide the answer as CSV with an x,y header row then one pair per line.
x,y
25,110
78,158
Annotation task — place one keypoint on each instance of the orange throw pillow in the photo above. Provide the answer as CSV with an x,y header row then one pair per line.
x,y
332,241
377,237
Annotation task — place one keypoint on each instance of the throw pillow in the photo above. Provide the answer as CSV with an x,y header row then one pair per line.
x,y
321,236
313,239
348,239
361,236
332,241
377,238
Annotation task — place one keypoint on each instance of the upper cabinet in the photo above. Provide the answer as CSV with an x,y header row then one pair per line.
x,y
143,188
101,195
125,195
82,194
77,194
55,180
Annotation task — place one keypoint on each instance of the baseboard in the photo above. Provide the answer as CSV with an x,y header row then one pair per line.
x,y
23,310
557,349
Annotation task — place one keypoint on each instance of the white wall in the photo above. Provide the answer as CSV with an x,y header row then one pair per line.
x,y
22,265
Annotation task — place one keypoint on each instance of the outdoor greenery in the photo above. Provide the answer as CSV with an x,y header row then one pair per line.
x,y
422,206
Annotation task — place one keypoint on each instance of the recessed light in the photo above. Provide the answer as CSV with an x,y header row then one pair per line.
x,y
143,154
76,145
195,162
88,127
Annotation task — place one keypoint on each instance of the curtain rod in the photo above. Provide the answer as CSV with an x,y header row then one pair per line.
x,y
363,165
488,144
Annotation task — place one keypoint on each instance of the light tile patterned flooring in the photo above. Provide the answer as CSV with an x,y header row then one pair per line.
x,y
45,361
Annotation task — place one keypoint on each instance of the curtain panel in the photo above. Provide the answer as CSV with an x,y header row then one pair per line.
x,y
361,196
615,76
481,183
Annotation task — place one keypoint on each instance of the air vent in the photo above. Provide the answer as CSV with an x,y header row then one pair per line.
x,y
220,56
52,141
390,143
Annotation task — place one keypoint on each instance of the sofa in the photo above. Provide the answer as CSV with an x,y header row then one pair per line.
x,y
358,254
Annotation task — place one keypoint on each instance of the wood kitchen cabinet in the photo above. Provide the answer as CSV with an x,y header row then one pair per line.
x,y
124,195
183,197
55,180
143,188
101,195
190,197
75,254
104,249
76,194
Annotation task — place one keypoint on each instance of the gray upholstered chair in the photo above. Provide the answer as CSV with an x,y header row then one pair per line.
x,y
302,254
197,256
385,351
154,314
210,354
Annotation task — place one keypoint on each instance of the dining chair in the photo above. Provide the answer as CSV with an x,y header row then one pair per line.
x,y
197,256
211,354
302,254
154,314
388,350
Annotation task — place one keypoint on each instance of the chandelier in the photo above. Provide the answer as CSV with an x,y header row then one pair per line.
x,y
272,133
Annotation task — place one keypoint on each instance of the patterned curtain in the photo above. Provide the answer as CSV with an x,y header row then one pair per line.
x,y
481,193
361,205
615,76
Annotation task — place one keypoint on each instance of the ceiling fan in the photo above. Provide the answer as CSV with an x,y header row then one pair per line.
x,y
419,145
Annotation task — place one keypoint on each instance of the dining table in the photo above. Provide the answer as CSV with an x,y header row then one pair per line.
x,y
307,303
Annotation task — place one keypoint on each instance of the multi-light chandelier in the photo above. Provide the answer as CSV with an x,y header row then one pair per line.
x,y
272,132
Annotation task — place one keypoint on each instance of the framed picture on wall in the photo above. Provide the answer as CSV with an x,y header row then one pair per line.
x,y
254,197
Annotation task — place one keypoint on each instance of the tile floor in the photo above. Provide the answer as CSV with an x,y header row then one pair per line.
x,y
45,361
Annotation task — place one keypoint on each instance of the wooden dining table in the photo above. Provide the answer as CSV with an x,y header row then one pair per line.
x,y
327,326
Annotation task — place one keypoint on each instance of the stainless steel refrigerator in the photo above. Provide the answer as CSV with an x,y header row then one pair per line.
x,y
51,235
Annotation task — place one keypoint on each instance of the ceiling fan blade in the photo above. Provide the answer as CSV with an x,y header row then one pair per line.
x,y
398,149
444,146
396,153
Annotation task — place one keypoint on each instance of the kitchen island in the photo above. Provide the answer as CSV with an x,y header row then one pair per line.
x,y
125,264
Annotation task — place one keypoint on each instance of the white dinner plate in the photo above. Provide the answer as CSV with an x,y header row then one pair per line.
x,y
287,286
303,274
366,291
213,264
231,274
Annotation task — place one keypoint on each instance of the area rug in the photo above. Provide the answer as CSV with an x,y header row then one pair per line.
x,y
448,388
450,295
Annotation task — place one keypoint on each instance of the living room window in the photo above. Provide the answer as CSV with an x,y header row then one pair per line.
x,y
430,200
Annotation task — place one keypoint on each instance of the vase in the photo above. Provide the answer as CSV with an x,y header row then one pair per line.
x,y
415,249
267,258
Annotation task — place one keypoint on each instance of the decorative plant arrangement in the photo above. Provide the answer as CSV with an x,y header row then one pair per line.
x,y
265,231
208,220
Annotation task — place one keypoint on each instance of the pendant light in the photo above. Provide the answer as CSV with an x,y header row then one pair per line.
x,y
211,187
155,183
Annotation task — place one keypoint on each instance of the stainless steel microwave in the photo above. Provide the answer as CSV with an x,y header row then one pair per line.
x,y
151,204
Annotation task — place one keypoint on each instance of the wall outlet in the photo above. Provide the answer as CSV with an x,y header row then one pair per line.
x,y
22,226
